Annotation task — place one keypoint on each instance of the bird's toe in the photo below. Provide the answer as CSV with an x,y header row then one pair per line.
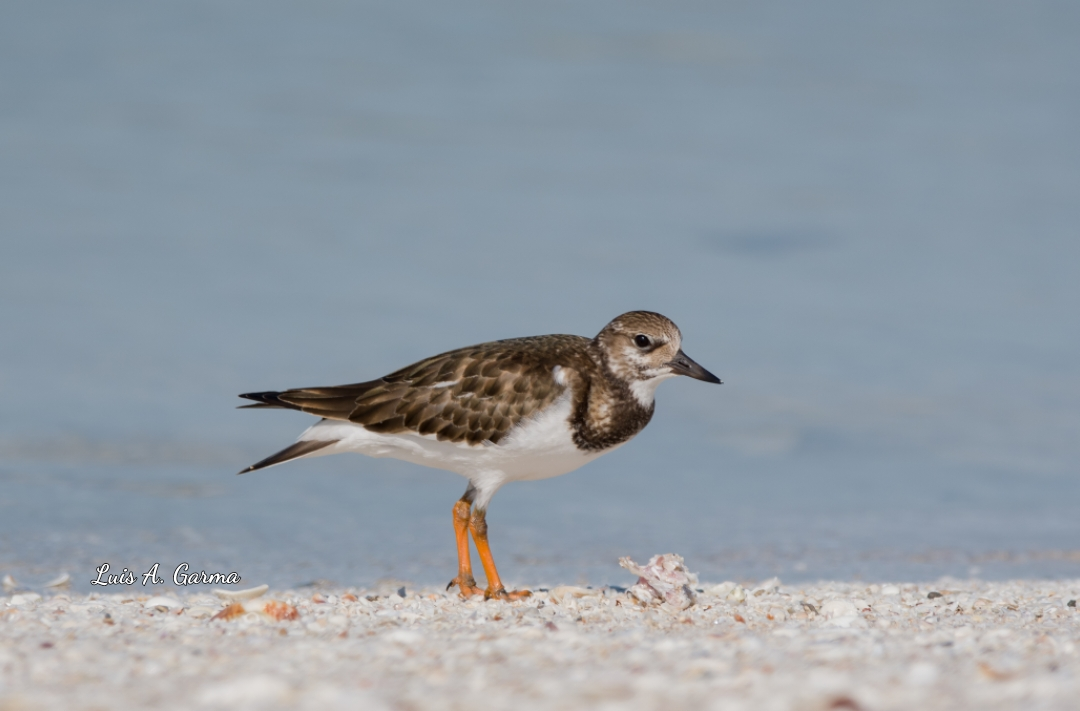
x,y
506,595
466,586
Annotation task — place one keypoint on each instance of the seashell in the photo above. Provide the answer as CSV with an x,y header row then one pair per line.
x,y
249,594
769,586
839,608
271,609
667,576
722,589
163,603
280,611
777,613
200,612
60,581
230,612
564,591
25,598
645,594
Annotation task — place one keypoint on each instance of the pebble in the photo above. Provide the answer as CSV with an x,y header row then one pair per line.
x,y
829,645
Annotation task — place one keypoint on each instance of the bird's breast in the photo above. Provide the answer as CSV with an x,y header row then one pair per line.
x,y
607,415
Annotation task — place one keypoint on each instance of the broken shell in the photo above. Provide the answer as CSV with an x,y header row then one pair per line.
x,y
280,611
667,576
839,608
722,589
231,612
777,613
249,594
60,581
163,603
769,586
271,609
200,613
24,598
564,591
644,594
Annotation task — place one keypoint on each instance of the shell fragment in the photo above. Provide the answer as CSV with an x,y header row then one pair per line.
x,y
249,594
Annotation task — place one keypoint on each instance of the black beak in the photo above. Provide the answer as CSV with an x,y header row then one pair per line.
x,y
683,364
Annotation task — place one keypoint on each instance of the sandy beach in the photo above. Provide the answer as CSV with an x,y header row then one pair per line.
x,y
862,217
951,644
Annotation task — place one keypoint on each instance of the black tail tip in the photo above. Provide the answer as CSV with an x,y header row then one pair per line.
x,y
269,397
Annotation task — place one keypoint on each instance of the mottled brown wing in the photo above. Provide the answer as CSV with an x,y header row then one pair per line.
x,y
472,395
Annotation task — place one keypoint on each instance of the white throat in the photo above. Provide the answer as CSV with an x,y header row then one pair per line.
x,y
645,390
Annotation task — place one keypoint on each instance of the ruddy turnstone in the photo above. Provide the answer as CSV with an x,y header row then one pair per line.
x,y
513,410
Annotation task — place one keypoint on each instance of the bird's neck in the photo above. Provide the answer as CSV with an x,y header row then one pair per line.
x,y
607,411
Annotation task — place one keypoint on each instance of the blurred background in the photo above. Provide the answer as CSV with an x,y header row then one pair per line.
x,y
862,217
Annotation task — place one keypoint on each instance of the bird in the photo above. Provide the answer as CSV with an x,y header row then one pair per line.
x,y
510,410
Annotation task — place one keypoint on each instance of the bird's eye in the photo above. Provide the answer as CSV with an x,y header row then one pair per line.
x,y
642,341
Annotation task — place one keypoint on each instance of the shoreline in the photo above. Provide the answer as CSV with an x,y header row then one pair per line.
x,y
948,645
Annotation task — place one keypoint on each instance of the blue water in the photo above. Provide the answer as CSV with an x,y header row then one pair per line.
x,y
863,218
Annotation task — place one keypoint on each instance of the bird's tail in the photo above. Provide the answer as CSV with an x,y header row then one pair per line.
x,y
266,399
301,449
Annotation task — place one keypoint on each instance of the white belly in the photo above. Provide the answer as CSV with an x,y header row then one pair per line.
x,y
539,448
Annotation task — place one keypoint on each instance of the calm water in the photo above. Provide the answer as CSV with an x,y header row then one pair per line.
x,y
863,219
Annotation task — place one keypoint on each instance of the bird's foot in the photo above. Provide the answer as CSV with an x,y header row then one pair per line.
x,y
466,585
501,593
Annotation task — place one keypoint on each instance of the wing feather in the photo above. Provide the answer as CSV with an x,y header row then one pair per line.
x,y
473,395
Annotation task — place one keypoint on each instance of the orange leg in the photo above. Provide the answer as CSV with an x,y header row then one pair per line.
x,y
495,589
464,579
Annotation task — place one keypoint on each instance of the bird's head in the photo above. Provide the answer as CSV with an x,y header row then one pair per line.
x,y
644,348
